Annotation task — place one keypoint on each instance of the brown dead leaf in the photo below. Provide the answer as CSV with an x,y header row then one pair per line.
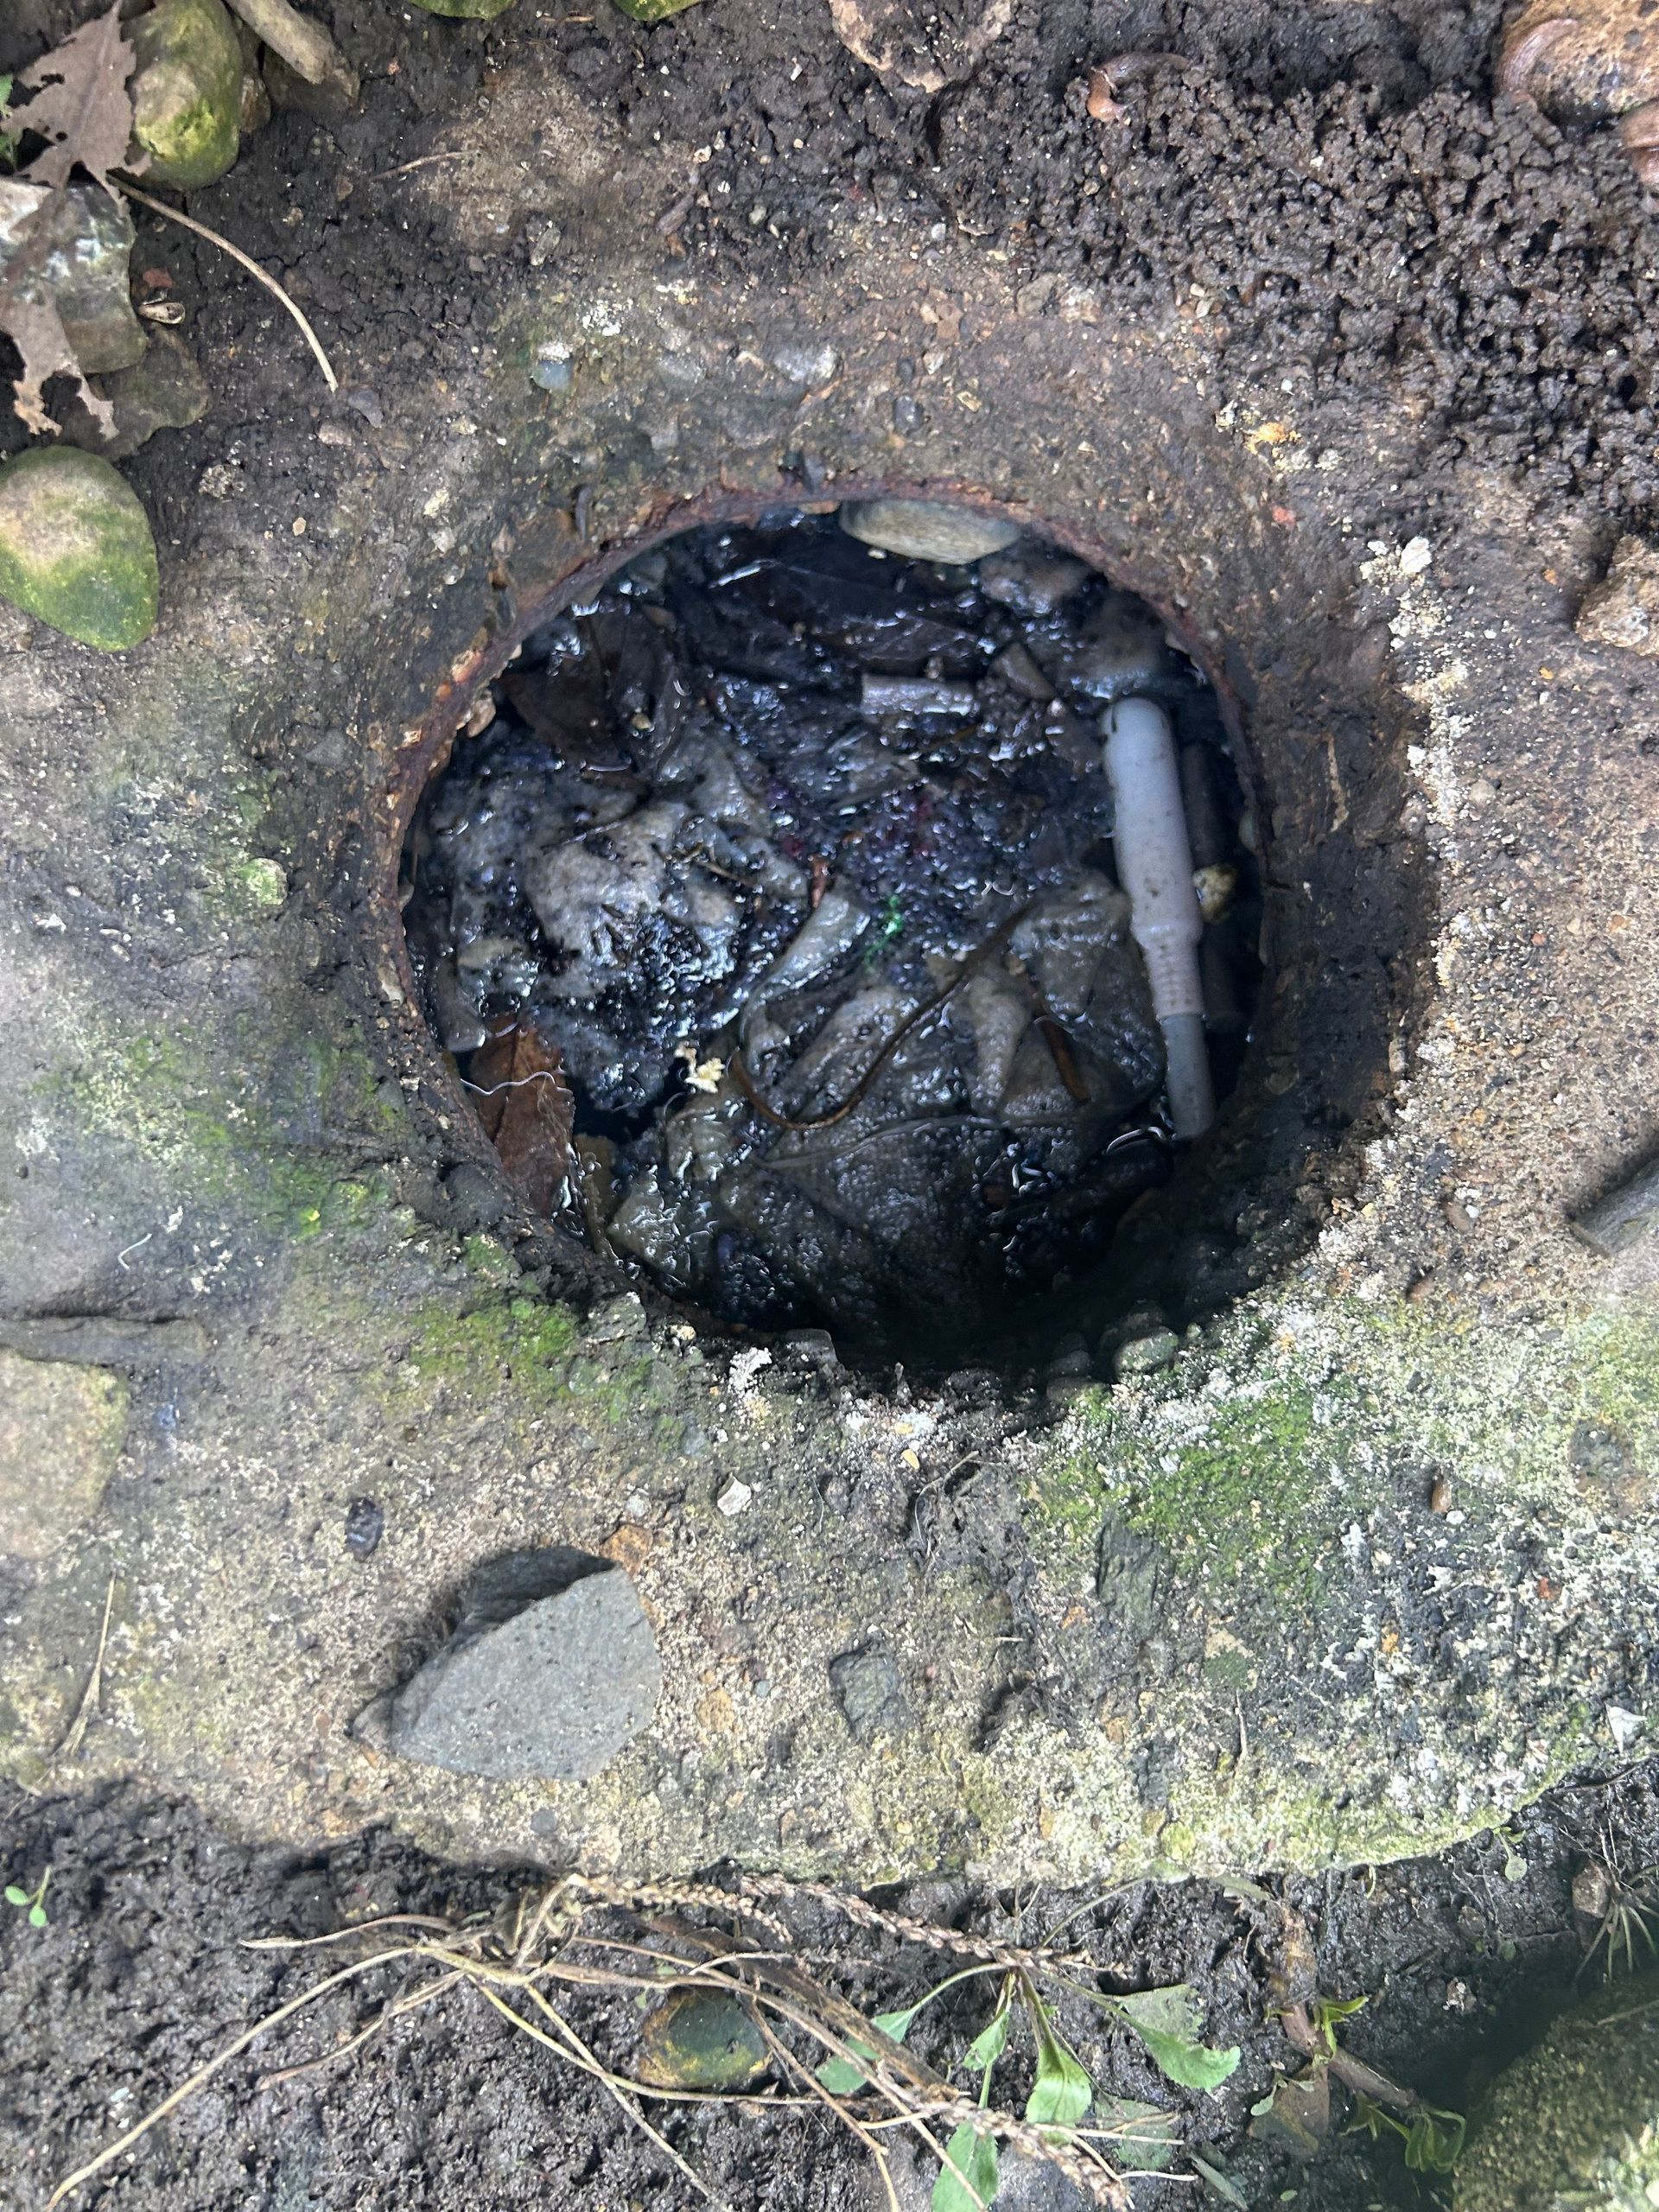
x,y
925,48
527,1109
1297,2116
35,326
80,104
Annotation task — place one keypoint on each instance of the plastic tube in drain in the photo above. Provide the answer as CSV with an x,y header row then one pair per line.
x,y
1154,862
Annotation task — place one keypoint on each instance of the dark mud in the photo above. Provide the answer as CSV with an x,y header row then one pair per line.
x,y
138,1978
799,857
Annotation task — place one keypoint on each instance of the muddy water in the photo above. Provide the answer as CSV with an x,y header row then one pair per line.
x,y
772,919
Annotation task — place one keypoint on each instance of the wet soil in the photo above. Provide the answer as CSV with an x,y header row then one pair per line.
x,y
138,1978
799,857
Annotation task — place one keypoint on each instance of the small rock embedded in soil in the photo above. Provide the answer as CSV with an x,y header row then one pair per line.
x,y
75,548
551,1671
187,91
922,530
365,1526
1624,1217
1624,609
870,1694
700,2039
164,392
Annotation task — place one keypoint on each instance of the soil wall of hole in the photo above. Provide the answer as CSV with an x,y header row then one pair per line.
x,y
1204,1618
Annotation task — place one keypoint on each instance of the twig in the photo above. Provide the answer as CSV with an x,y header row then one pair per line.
x,y
1364,2080
305,46
88,1706
189,222
405,168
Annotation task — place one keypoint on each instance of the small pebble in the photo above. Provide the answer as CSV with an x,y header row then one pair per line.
x,y
1439,1495
364,1525
733,1499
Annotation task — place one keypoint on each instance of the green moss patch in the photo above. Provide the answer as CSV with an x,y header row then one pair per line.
x,y
75,548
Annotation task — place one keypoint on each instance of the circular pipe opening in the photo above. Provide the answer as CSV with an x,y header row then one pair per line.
x,y
767,898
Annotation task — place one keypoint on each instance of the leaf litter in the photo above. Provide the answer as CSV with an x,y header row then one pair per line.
x,y
80,105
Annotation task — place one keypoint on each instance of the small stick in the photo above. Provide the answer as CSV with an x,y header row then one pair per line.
x,y
88,1706
405,168
176,215
305,46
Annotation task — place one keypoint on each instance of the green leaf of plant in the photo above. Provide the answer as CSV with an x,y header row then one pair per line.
x,y
37,1916
1327,2014
1218,2183
840,2077
1142,2136
988,2045
968,2178
15,1896
1168,2021
1063,2091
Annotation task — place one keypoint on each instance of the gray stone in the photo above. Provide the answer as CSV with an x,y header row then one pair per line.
x,y
1032,579
804,362
71,247
1145,1352
869,1693
1624,609
164,392
550,1672
922,530
1576,2123
1628,1214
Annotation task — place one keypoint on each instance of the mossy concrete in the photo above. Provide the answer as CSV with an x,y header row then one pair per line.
x,y
61,1429
1206,1617
1573,2126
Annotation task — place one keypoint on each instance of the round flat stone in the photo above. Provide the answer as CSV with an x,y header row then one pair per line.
x,y
922,530
75,548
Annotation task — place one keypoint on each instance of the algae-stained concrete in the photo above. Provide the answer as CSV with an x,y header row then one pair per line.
x,y
1206,1617
61,1428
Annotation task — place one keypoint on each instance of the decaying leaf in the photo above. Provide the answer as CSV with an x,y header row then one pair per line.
x,y
1297,2114
1143,2138
527,1109
35,328
925,48
79,104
